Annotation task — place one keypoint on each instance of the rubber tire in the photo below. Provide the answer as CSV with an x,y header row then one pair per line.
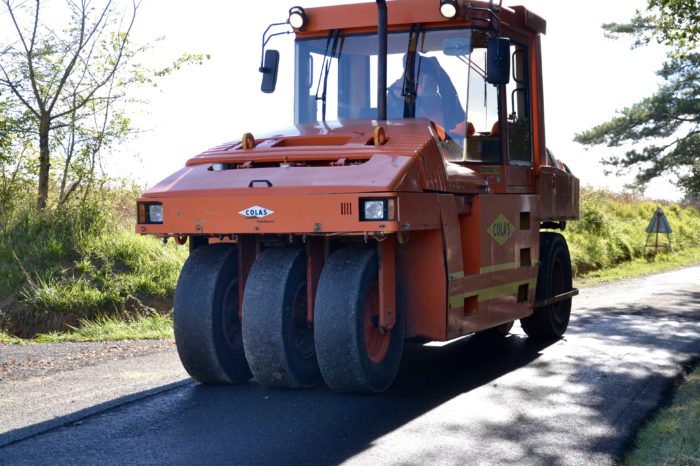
x,y
498,331
553,278
339,325
207,352
276,278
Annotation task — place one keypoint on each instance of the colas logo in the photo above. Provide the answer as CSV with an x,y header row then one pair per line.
x,y
501,229
256,212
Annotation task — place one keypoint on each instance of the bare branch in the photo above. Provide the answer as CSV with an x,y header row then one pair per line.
x,y
29,50
13,88
70,191
84,39
111,73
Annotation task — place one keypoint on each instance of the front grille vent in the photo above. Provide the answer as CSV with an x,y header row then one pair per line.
x,y
345,208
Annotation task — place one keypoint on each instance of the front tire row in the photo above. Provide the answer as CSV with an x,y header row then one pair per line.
x,y
282,350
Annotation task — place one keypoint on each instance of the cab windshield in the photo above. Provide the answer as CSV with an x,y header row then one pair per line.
x,y
433,74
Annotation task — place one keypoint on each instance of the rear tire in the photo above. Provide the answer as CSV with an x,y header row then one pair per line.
x,y
498,331
279,344
206,323
553,278
354,356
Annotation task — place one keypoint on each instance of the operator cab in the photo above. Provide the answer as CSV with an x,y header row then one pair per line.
x,y
436,74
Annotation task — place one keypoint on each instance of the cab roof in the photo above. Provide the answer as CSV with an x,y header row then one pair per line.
x,y
362,17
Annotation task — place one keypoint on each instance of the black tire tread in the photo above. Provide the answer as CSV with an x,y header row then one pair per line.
x,y
269,347
339,345
198,334
541,323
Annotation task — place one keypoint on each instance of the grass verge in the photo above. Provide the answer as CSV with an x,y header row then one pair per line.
x,y
672,437
141,327
7,338
611,232
641,266
106,328
81,264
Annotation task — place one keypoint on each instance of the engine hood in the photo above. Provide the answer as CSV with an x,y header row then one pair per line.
x,y
334,158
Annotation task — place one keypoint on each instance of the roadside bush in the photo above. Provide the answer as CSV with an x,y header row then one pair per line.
x,y
81,261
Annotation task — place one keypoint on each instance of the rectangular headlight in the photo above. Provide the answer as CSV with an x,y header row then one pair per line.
x,y
378,209
150,212
374,210
155,213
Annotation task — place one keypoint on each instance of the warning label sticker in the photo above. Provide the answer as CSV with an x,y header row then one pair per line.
x,y
501,229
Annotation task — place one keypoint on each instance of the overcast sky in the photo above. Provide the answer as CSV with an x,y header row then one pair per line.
x,y
586,77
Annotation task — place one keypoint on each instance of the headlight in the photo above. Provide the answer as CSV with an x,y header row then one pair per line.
x,y
150,212
373,210
155,213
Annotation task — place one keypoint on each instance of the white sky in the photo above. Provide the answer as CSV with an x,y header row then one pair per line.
x,y
586,78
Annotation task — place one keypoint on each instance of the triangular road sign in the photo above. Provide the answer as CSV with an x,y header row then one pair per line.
x,y
659,223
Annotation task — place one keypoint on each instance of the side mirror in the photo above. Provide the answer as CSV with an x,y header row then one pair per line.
x,y
498,61
269,71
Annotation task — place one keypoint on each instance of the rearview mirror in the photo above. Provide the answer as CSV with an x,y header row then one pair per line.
x,y
269,71
498,61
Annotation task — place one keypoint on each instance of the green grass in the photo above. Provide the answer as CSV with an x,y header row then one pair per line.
x,y
611,232
672,437
142,327
155,326
7,338
641,266
65,267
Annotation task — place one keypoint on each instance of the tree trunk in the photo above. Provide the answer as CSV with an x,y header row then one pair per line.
x,y
44,162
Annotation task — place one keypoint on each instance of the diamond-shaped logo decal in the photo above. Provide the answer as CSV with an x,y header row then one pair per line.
x,y
256,212
501,229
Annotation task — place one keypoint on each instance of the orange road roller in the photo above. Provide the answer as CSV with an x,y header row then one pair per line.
x,y
413,198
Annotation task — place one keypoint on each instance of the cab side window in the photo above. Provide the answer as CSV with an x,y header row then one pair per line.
x,y
519,125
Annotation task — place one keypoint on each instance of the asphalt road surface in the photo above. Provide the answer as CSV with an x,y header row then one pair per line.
x,y
578,401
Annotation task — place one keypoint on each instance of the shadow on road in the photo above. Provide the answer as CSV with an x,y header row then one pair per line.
x,y
76,418
249,424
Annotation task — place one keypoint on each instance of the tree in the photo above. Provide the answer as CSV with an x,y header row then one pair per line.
x,y
54,75
675,23
88,131
15,159
70,81
663,130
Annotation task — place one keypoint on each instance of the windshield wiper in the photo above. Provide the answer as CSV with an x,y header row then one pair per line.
x,y
410,78
332,44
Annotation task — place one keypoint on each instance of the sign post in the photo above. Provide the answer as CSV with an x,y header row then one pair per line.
x,y
658,224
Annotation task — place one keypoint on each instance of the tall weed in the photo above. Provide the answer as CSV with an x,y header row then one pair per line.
x,y
80,261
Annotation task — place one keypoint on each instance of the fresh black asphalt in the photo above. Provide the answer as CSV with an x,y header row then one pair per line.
x,y
577,401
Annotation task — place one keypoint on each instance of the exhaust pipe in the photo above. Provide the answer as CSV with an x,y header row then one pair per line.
x,y
381,66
